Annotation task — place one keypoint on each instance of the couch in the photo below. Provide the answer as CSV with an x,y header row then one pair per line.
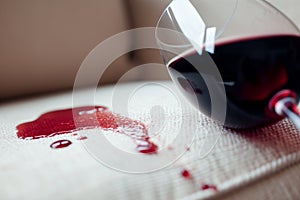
x,y
43,45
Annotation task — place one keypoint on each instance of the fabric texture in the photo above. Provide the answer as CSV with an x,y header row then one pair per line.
x,y
262,162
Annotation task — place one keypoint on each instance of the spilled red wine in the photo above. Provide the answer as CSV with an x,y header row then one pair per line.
x,y
186,174
60,144
82,138
253,71
209,187
89,117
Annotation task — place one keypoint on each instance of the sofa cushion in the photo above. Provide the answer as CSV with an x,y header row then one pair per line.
x,y
220,161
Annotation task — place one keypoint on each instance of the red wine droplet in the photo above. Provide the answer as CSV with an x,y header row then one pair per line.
x,y
89,117
209,187
82,138
186,174
60,144
169,147
146,146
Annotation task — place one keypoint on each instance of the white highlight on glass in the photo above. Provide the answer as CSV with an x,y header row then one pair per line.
x,y
210,39
190,22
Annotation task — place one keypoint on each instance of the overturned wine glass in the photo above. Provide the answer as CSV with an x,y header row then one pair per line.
x,y
255,49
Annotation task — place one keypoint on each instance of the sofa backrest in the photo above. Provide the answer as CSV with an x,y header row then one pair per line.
x,y
42,42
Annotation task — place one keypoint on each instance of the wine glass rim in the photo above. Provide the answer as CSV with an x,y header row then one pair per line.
x,y
170,45
283,15
188,45
297,29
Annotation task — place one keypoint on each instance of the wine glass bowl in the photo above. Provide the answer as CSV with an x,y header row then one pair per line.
x,y
254,47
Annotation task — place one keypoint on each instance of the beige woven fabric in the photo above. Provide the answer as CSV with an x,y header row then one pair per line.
x,y
239,163
280,185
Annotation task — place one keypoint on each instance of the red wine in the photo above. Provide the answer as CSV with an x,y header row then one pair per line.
x,y
82,138
209,187
186,174
60,144
253,71
89,117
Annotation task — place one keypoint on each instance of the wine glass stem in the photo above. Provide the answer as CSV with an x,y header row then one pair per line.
x,y
290,110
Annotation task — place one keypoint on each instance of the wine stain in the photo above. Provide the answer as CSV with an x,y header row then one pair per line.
x,y
70,120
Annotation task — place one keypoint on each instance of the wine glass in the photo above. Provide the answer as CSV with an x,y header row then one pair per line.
x,y
244,54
